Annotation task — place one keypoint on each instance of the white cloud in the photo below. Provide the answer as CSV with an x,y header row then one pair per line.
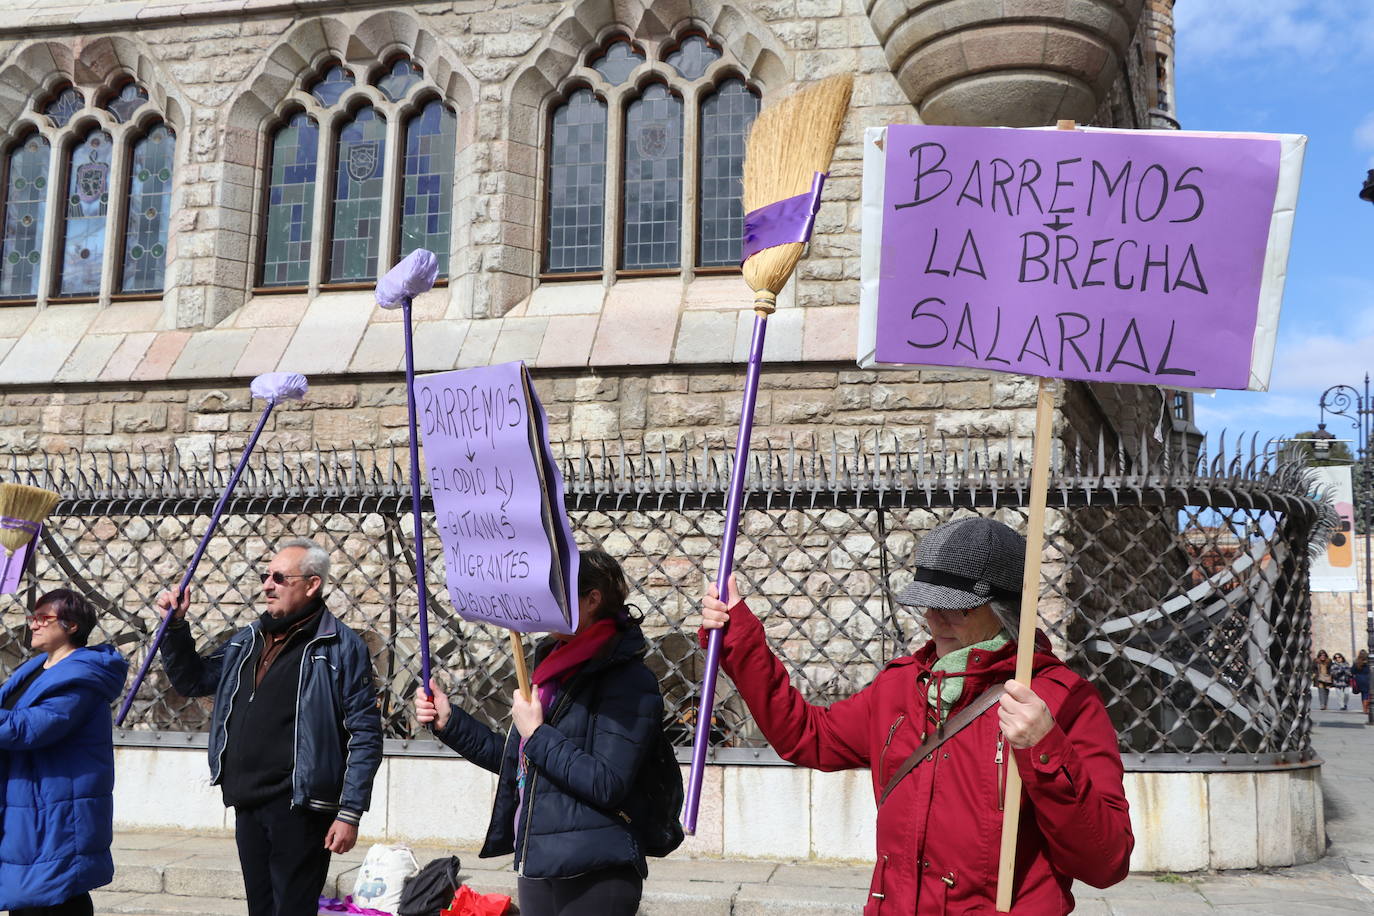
x,y
1319,31
1364,136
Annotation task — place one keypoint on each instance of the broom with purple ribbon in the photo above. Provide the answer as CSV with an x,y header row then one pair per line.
x,y
22,510
415,274
272,387
785,165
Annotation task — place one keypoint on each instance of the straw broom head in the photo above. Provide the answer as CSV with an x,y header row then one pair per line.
x,y
27,504
789,143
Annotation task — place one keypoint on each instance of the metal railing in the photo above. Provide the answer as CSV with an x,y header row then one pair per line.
x,y
1174,580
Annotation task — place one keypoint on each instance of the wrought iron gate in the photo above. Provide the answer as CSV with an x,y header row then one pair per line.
x,y
1176,582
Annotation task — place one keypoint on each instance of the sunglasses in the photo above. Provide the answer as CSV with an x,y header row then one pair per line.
x,y
280,577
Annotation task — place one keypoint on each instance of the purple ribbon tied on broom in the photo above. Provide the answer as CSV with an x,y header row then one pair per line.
x,y
782,222
414,274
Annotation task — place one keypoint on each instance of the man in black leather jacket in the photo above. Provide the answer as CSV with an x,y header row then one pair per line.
x,y
295,737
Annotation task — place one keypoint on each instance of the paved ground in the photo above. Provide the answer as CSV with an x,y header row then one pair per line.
x,y
168,873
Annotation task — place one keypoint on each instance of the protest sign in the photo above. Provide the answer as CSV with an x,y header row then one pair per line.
x,y
1150,257
1333,569
498,499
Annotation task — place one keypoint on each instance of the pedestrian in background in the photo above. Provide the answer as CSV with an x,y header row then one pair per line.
x,y
1340,679
1322,677
1359,676
938,752
57,764
295,735
566,803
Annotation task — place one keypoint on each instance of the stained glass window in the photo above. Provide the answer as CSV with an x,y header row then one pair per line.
x,y
692,57
427,204
358,198
25,198
331,87
618,62
150,197
129,99
87,203
726,115
653,181
577,185
61,109
398,79
291,203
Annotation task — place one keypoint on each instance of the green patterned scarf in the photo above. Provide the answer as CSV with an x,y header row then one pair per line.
x,y
946,690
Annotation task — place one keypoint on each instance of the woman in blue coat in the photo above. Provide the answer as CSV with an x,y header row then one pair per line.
x,y
57,764
566,802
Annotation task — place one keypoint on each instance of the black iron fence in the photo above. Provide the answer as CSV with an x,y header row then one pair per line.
x,y
1175,581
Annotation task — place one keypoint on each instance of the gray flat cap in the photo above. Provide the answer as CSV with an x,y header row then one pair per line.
x,y
963,564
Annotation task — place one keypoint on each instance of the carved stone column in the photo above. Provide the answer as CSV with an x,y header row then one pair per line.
x,y
1017,63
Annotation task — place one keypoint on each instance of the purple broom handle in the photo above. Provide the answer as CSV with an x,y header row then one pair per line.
x,y
727,563
195,561
415,503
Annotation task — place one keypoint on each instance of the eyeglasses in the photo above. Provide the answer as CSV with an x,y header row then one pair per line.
x,y
948,614
280,577
38,621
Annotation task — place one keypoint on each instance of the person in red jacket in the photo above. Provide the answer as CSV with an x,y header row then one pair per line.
x,y
939,823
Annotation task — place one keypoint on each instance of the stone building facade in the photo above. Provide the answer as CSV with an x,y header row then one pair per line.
x,y
97,351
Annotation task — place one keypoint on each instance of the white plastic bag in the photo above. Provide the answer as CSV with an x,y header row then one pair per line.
x,y
382,877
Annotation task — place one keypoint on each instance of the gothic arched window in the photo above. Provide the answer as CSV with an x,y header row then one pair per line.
x,y
150,199
26,196
389,191
427,208
87,205
358,166
104,172
290,202
647,169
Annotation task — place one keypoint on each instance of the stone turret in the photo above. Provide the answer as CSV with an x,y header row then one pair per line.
x,y
1018,63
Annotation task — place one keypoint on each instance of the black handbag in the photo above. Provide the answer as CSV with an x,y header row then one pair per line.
x,y
430,889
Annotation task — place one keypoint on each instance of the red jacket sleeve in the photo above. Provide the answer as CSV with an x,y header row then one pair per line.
x,y
823,738
1073,780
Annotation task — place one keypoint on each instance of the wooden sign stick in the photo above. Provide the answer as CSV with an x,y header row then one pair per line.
x,y
1025,640
1030,596
522,671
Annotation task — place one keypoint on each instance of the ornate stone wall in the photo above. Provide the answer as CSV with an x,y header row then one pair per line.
x,y
616,355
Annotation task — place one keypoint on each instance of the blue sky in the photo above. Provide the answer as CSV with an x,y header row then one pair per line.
x,y
1296,66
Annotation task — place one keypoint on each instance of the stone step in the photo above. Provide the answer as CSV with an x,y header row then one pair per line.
x,y
163,873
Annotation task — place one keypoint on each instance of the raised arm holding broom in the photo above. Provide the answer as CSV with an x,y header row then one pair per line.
x,y
789,151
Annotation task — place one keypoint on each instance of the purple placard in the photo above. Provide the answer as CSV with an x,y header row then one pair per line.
x,y
498,499
1072,254
12,566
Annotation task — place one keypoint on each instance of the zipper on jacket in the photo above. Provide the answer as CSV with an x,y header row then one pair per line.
x,y
882,756
528,801
296,733
1000,760
233,695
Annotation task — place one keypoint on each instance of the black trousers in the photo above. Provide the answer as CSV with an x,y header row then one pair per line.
x,y
282,854
608,892
80,905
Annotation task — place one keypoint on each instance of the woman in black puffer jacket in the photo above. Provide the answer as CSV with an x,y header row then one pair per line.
x,y
565,797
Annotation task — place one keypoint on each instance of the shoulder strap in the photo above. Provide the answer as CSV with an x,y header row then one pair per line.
x,y
952,727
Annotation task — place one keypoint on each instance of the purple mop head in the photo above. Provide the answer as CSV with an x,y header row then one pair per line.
x,y
415,274
279,386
